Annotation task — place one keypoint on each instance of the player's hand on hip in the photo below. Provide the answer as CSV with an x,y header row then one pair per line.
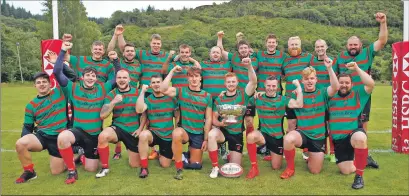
x,y
119,30
117,99
380,17
112,55
66,46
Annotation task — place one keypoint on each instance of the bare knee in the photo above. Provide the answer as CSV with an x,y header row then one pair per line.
x,y
165,164
63,139
177,134
144,136
315,170
134,164
21,145
56,171
250,138
212,135
276,166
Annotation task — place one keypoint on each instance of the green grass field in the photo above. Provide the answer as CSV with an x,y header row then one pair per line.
x,y
391,178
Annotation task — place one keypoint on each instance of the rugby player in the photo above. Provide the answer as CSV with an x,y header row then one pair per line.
x,y
48,111
230,132
270,108
160,110
344,110
125,122
364,57
87,97
270,63
323,81
310,121
293,65
196,118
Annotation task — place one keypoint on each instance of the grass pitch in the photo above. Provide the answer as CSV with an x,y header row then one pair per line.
x,y
391,178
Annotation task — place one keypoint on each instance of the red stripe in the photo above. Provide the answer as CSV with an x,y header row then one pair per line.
x,y
124,105
192,128
293,74
214,86
213,77
193,102
151,70
312,95
192,120
215,69
319,135
180,85
301,117
129,124
160,100
87,110
161,110
87,121
151,62
270,126
276,134
28,111
241,72
344,108
269,72
296,65
169,119
351,95
314,105
49,106
339,132
192,111
55,113
53,124
125,115
308,128
270,64
342,120
301,56
93,130
161,129
269,117
95,63
271,56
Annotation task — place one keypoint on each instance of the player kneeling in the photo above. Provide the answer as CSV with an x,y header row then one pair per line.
x,y
270,108
344,110
125,121
48,111
227,131
160,110
310,121
195,118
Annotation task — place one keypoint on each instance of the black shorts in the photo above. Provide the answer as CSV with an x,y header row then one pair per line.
x,y
88,142
312,145
49,142
290,113
364,116
195,140
131,143
235,142
273,144
343,148
251,111
165,147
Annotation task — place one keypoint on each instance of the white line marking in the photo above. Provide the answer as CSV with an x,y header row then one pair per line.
x,y
7,150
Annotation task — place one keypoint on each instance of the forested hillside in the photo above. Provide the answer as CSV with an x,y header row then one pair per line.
x,y
332,20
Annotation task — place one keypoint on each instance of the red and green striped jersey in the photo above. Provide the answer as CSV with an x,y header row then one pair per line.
x,y
124,114
269,65
311,117
240,98
364,60
322,72
151,64
240,69
213,76
87,104
160,111
270,111
179,79
292,69
344,112
48,113
193,105
105,69
134,69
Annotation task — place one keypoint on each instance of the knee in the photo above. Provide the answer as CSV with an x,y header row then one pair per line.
x,y
165,164
315,170
212,135
144,136
63,140
288,139
346,171
359,140
250,138
276,166
57,171
103,137
21,145
134,164
177,134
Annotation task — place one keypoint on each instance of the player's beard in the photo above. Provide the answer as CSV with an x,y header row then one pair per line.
x,y
358,50
344,94
294,51
124,88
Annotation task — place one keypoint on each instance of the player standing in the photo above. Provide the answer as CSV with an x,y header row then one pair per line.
x,y
364,58
160,110
230,132
48,112
196,118
310,121
87,97
344,110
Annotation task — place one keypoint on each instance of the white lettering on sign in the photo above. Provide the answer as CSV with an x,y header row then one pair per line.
x,y
395,104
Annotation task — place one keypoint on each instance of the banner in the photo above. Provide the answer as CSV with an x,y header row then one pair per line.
x,y
53,45
400,97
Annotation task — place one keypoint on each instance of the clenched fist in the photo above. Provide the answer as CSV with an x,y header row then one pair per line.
x,y
66,46
119,29
220,34
117,99
112,55
296,83
145,87
246,60
380,17
177,69
328,62
67,38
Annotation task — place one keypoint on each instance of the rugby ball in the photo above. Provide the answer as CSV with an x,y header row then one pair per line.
x,y
231,170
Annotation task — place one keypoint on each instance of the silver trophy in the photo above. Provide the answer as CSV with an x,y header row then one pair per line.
x,y
231,111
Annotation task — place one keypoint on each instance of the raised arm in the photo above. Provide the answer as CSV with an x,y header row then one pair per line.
x,y
165,65
140,105
164,87
365,77
195,63
107,108
334,87
58,66
225,54
251,86
383,31
118,32
67,38
298,103
113,56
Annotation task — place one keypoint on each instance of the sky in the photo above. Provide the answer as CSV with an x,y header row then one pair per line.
x,y
106,8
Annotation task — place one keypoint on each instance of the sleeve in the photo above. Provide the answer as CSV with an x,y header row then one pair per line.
x,y
171,66
111,72
215,104
254,61
363,96
29,114
209,101
137,56
324,93
229,56
74,62
286,100
372,51
252,101
175,102
335,66
69,73
108,98
67,90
